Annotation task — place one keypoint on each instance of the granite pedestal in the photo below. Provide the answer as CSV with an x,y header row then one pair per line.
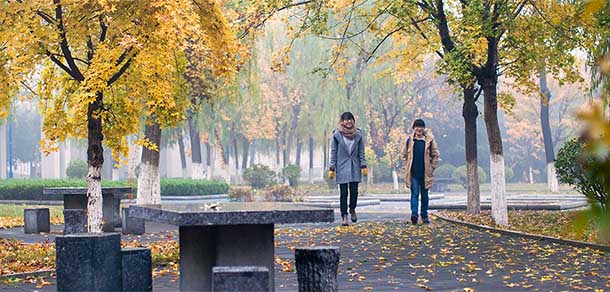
x,y
88,262
75,221
232,234
36,220
132,225
137,269
243,279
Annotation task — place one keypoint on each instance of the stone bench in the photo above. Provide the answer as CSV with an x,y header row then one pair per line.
x,y
317,268
441,184
36,220
137,269
75,221
240,278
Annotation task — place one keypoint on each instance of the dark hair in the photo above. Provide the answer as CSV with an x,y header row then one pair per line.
x,y
347,116
419,123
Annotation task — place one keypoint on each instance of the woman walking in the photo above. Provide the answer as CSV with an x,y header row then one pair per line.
x,y
347,163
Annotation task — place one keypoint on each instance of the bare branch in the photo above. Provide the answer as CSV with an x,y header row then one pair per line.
x,y
65,48
372,53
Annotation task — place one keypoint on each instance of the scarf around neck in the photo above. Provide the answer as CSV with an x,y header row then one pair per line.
x,y
349,133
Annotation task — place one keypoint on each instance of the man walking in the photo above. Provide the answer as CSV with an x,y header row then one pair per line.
x,y
421,155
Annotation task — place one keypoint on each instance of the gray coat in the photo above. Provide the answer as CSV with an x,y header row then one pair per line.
x,y
347,164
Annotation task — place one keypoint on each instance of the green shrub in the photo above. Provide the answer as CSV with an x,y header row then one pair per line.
x,y
460,175
192,187
573,168
31,189
282,193
241,194
291,173
77,169
444,171
259,176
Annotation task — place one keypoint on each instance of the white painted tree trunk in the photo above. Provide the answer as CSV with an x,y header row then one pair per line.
x,y
134,156
499,209
149,184
531,175
395,180
94,199
197,171
551,179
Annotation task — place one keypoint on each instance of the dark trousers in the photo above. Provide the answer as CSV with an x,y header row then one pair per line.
x,y
353,198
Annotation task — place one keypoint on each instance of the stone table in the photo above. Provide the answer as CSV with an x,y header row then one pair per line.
x,y
76,198
232,234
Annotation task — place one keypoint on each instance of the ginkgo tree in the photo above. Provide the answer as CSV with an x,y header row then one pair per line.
x,y
98,66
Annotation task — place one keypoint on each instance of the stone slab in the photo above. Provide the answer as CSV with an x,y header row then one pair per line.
x,y
231,213
83,190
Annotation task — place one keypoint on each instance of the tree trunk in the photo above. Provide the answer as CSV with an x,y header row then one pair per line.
x,y
252,153
547,137
235,152
470,114
208,159
182,151
325,153
285,150
196,161
311,150
149,181
297,160
498,183
95,161
277,152
245,151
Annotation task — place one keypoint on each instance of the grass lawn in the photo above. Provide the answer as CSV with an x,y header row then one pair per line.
x,y
11,215
560,224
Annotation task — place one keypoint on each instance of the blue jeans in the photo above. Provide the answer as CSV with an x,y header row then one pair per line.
x,y
419,186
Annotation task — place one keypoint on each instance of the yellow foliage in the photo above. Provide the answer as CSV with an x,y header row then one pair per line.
x,y
130,53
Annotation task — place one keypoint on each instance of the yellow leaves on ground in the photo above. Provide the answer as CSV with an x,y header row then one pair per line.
x,y
18,257
285,264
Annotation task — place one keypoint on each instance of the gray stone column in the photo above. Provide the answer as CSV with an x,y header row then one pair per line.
x,y
203,247
243,279
317,268
89,262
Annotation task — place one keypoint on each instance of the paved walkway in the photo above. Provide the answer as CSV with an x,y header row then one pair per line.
x,y
385,253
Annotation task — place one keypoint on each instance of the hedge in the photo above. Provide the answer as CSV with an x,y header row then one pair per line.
x,y
31,189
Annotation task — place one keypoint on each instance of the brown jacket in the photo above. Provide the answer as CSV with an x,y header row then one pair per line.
x,y
431,158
